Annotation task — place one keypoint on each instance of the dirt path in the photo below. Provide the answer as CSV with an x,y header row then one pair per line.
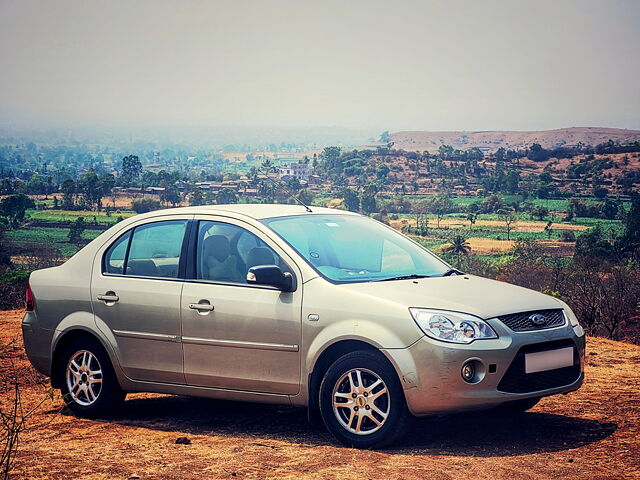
x,y
590,434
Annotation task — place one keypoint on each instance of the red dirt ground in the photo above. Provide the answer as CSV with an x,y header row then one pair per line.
x,y
590,434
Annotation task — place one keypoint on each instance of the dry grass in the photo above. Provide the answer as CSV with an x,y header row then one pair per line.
x,y
486,246
590,434
489,246
124,201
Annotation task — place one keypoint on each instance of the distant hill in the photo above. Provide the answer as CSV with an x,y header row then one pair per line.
x,y
490,141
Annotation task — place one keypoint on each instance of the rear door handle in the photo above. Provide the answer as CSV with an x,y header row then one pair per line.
x,y
201,307
109,297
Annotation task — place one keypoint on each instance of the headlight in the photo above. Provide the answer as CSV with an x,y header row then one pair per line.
x,y
573,320
451,327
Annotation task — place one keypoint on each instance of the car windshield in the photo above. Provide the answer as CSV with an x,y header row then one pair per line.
x,y
345,248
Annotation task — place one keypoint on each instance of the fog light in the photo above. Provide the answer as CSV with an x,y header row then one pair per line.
x,y
468,372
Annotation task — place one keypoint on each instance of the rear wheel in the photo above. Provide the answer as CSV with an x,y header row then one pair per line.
x,y
90,387
361,401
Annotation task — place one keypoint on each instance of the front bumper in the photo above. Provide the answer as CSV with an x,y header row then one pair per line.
x,y
431,370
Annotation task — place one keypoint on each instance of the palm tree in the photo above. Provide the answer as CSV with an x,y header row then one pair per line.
x,y
459,245
253,175
269,167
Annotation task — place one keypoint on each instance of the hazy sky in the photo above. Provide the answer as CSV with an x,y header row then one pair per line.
x,y
423,65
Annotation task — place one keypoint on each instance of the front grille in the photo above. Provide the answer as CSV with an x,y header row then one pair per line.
x,y
515,380
520,382
521,322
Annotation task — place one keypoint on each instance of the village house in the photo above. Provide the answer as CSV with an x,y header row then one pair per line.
x,y
299,170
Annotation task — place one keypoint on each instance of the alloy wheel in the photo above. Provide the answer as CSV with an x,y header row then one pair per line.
x,y
84,378
361,401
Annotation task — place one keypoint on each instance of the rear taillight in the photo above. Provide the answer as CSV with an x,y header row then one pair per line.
x,y
30,303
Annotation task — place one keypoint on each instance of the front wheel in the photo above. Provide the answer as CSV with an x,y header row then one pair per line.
x,y
361,401
90,387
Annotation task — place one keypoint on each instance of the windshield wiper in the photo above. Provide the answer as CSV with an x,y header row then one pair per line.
x,y
451,271
402,277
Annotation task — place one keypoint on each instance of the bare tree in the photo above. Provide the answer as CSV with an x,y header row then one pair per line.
x,y
509,218
603,296
471,218
440,205
419,210
15,416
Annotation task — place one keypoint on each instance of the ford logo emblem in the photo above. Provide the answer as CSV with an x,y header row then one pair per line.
x,y
538,319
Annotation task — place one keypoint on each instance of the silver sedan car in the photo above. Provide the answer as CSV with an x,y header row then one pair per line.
x,y
275,303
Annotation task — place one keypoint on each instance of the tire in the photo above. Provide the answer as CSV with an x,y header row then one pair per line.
x,y
387,418
89,385
518,406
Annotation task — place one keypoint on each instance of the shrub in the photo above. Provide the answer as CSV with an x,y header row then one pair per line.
x,y
143,205
471,264
12,287
5,257
76,230
491,204
540,212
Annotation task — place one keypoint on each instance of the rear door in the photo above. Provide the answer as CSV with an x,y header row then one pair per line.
x,y
235,335
136,288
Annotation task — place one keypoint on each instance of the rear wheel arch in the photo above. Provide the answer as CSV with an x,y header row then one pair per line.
x,y
61,345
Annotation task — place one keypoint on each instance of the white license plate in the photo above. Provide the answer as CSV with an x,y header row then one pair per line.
x,y
549,360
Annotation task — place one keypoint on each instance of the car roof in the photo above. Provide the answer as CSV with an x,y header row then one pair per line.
x,y
257,211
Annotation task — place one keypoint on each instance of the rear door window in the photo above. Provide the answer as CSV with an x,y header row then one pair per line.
x,y
115,256
153,250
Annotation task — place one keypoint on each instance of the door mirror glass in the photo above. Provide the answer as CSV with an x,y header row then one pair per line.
x,y
270,275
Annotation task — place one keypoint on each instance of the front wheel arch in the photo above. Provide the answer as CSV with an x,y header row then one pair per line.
x,y
397,416
329,355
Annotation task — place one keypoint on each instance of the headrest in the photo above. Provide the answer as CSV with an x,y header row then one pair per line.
x,y
146,268
216,246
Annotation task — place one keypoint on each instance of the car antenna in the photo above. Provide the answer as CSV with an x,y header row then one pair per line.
x,y
287,189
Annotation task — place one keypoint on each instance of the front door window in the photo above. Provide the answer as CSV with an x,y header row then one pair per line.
x,y
226,252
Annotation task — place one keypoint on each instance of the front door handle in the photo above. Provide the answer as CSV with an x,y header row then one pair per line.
x,y
109,297
201,307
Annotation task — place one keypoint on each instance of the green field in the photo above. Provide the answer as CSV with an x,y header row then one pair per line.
x,y
437,237
72,215
55,237
560,204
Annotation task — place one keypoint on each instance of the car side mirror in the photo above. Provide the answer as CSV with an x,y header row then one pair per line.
x,y
270,275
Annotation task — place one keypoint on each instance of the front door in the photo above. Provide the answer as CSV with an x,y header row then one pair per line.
x,y
136,294
235,335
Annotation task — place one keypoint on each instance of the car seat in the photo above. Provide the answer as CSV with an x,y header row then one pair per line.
x,y
217,261
144,268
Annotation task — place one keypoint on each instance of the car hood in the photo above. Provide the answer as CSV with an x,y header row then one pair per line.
x,y
460,293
